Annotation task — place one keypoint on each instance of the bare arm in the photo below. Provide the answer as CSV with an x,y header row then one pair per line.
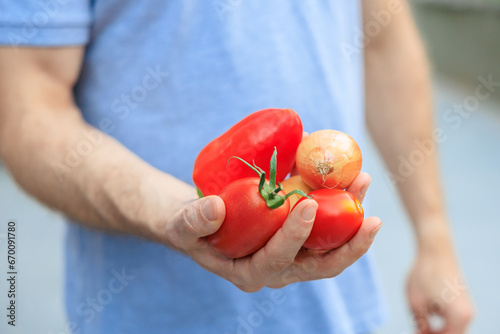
x,y
113,189
40,125
399,97
400,119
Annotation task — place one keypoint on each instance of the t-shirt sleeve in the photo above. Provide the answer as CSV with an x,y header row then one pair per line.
x,y
45,22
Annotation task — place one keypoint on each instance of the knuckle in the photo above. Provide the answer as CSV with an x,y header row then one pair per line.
x,y
173,236
358,249
186,223
311,267
277,285
299,236
178,228
327,273
249,288
466,314
279,264
296,235
244,282
337,272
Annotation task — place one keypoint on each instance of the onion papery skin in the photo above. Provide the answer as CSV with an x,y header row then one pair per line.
x,y
328,159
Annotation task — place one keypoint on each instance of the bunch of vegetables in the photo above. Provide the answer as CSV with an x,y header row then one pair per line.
x,y
247,166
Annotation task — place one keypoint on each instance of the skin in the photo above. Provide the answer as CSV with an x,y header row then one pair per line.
x,y
399,99
40,124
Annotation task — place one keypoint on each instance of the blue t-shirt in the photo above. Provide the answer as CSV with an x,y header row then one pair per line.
x,y
166,77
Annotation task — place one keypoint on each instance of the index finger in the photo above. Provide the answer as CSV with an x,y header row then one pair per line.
x,y
359,186
325,264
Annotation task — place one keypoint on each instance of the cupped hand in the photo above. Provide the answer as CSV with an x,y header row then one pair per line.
x,y
282,260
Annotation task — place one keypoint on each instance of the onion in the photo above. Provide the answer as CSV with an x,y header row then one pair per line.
x,y
328,159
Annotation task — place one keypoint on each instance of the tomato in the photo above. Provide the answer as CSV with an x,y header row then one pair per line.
x,y
249,222
252,139
255,211
338,218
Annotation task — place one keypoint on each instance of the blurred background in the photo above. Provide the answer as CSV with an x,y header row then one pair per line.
x,y
463,42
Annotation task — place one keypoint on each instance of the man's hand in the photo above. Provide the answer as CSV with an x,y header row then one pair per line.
x,y
38,107
282,260
435,287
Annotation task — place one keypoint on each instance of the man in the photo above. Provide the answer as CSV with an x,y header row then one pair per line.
x,y
104,106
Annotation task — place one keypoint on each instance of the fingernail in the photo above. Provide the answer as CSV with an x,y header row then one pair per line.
x,y
363,190
209,210
374,232
309,212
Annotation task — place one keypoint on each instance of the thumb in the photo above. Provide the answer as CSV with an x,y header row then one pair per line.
x,y
196,220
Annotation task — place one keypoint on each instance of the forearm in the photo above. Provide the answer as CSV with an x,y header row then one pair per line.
x,y
71,166
400,118
399,99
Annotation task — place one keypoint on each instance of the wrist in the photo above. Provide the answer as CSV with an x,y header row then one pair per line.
x,y
139,200
434,236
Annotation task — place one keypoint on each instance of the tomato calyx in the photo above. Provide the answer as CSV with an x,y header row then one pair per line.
x,y
270,191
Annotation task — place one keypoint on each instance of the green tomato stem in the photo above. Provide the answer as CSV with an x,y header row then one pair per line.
x,y
269,191
299,192
273,169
